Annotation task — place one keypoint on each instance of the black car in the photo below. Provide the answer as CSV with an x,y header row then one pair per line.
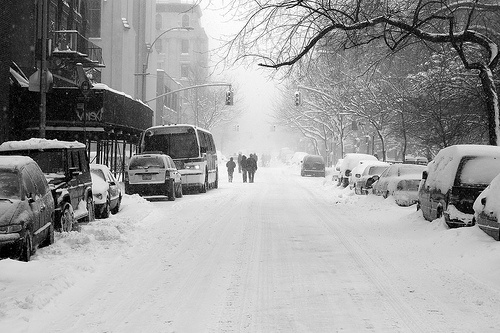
x,y
26,208
66,168
313,165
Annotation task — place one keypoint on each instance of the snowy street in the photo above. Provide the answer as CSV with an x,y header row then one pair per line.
x,y
284,254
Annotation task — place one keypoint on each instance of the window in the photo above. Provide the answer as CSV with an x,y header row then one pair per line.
x,y
185,20
158,22
184,71
94,18
184,46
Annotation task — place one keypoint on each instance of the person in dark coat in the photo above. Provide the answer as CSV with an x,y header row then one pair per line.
x,y
230,169
251,167
243,165
239,162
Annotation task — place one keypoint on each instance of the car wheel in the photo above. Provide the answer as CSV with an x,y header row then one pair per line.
x,y
49,240
90,209
106,211
117,207
67,219
171,190
178,193
27,247
204,187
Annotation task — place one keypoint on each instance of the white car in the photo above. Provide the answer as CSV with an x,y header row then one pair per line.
x,y
106,191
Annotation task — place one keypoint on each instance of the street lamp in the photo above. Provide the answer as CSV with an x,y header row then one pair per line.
x,y
149,48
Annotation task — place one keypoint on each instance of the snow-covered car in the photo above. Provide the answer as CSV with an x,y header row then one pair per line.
x,y
106,190
453,181
388,181
152,174
313,165
368,175
406,193
349,162
26,208
66,168
487,209
359,169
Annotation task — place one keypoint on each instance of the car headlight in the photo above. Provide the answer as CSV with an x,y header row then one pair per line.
x,y
192,167
9,229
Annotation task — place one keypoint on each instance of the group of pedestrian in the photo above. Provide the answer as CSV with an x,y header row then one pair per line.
x,y
246,166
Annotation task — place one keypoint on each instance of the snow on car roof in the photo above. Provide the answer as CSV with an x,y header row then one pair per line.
x,y
37,144
13,162
352,159
441,170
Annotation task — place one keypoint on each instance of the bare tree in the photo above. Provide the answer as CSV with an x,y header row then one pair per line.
x,y
283,33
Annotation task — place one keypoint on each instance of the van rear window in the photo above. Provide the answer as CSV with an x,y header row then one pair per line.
x,y
145,162
479,170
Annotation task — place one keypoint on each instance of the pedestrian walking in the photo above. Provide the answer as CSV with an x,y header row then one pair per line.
x,y
230,169
243,165
251,167
239,162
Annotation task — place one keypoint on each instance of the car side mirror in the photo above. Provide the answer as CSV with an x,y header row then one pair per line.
x,y
358,175
483,201
424,175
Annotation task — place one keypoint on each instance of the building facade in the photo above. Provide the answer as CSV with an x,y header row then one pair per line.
x,y
181,54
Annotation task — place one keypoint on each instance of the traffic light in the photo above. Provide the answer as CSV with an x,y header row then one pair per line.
x,y
229,97
298,98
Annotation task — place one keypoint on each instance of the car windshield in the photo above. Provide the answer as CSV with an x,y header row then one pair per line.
x,y
98,172
377,170
9,184
145,162
479,170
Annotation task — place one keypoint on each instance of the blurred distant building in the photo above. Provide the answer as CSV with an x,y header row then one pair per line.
x,y
181,55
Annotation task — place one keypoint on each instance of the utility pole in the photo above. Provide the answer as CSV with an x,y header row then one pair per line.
x,y
42,27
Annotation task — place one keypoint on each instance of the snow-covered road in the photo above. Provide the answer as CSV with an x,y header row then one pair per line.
x,y
284,254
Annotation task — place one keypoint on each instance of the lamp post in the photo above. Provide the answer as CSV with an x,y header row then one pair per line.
x,y
149,47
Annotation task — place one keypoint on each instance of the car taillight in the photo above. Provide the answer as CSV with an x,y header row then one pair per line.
x,y
126,176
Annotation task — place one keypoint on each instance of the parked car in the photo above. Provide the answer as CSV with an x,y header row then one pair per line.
x,y
66,168
336,171
487,209
313,165
152,174
106,190
453,181
406,192
349,162
368,175
359,169
388,181
26,208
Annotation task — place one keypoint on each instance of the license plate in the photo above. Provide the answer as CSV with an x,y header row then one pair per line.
x,y
147,177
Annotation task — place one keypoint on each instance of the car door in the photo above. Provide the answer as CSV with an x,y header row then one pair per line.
x,y
114,190
36,206
43,191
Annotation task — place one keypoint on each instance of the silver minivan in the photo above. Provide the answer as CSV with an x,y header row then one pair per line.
x,y
153,174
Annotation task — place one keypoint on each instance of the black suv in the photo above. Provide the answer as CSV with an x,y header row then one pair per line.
x,y
66,167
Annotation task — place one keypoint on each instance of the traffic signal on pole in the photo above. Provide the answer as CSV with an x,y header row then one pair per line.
x,y
298,98
229,97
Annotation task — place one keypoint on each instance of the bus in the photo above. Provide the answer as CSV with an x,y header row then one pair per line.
x,y
193,150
